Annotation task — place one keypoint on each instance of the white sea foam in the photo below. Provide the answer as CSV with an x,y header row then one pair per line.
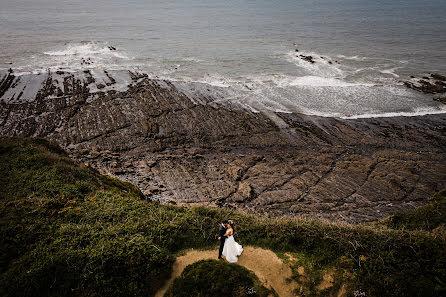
x,y
284,81
91,55
213,80
282,111
414,113
86,50
322,66
192,59
355,58
390,71
317,81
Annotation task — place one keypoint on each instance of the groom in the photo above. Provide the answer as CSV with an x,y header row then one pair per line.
x,y
222,231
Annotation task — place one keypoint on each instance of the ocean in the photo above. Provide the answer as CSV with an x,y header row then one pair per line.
x,y
362,50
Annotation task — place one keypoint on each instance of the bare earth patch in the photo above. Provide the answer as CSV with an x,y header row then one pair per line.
x,y
271,271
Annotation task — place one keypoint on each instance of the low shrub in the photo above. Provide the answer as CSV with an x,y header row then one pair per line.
x,y
217,278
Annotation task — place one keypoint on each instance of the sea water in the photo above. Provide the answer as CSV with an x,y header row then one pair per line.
x,y
363,49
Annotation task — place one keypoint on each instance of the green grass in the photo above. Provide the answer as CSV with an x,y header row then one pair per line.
x,y
218,279
429,217
67,231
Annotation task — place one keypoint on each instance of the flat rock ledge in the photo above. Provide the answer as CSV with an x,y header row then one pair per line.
x,y
180,145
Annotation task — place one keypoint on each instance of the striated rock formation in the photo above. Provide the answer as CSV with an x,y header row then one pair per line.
x,y
180,142
434,84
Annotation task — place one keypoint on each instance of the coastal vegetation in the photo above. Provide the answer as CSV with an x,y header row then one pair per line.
x,y
66,230
217,278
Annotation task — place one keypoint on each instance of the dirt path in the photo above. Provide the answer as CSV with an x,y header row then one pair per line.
x,y
271,271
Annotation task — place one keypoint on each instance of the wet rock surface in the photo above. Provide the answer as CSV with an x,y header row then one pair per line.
x,y
307,58
178,144
441,99
433,84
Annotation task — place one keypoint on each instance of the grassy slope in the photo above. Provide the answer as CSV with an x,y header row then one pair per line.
x,y
68,231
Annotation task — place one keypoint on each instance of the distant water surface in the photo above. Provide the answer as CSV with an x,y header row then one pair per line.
x,y
246,46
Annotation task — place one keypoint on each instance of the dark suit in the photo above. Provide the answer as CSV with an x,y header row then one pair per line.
x,y
222,231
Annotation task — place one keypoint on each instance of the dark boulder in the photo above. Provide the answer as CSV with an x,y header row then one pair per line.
x,y
307,58
438,76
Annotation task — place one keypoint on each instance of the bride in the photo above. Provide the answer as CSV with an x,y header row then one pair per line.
x,y
231,249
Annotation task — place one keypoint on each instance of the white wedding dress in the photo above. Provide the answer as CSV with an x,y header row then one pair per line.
x,y
232,249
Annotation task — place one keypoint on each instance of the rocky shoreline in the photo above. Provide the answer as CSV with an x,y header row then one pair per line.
x,y
180,144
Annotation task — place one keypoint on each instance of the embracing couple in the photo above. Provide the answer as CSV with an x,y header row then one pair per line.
x,y
228,247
